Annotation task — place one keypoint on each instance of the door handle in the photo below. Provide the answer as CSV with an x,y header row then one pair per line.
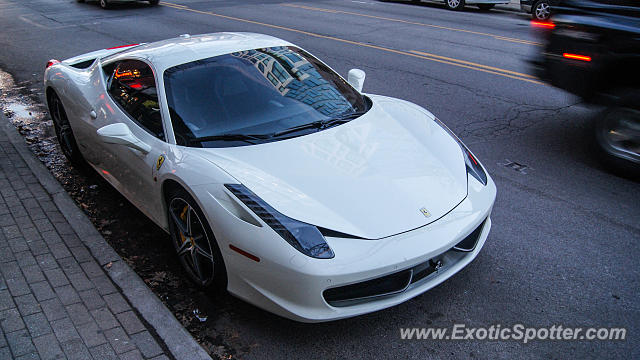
x,y
93,114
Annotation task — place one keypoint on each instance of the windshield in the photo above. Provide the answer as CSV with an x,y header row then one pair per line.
x,y
256,96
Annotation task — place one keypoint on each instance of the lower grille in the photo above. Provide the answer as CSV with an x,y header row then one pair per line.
x,y
386,285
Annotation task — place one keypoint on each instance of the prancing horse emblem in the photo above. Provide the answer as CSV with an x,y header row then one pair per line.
x,y
159,162
425,212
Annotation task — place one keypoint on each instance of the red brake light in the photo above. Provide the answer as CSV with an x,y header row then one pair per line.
x,y
52,62
121,46
577,57
543,24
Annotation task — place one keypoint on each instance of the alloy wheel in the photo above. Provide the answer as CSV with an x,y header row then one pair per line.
x,y
62,128
542,10
191,242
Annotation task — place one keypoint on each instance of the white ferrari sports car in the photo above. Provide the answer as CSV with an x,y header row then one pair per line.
x,y
276,178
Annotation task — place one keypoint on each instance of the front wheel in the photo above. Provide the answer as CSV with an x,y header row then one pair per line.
x,y
485,7
104,4
454,4
194,242
541,10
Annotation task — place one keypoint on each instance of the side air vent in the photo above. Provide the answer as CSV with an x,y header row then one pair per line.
x,y
84,64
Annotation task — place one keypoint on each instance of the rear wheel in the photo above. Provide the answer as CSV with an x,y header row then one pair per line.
x,y
485,7
454,4
104,4
63,130
541,10
194,242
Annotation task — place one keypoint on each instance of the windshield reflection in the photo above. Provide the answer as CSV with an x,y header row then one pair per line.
x,y
214,102
281,67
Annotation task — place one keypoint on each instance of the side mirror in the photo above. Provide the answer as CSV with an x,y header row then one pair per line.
x,y
356,78
121,134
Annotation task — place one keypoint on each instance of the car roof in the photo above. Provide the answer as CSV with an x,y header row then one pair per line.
x,y
187,48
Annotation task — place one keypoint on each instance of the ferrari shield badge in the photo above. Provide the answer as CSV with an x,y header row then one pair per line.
x,y
159,162
425,212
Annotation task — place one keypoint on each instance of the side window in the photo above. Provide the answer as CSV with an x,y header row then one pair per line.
x,y
132,86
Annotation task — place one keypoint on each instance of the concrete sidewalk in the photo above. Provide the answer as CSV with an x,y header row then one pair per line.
x,y
64,292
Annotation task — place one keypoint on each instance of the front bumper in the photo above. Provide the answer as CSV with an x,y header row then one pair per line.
x,y
290,284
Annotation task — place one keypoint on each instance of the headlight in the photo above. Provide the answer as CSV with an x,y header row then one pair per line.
x,y
304,237
473,165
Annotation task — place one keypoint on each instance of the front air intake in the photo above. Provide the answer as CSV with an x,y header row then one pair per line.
x,y
469,243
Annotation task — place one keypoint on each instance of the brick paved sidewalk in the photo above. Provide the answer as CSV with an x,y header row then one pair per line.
x,y
56,301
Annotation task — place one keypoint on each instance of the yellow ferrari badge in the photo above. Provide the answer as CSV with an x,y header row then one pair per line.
x,y
425,212
159,162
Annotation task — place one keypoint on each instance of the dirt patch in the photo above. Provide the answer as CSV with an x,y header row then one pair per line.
x,y
143,245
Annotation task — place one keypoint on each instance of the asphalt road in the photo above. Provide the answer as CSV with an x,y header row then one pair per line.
x,y
564,245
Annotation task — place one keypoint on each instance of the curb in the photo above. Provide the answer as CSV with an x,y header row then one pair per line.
x,y
177,339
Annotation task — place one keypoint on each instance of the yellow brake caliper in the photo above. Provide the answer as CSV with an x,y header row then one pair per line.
x,y
183,216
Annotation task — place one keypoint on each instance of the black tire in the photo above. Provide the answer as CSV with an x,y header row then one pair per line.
x,y
485,7
80,1
63,130
104,4
454,4
541,10
194,242
154,2
617,134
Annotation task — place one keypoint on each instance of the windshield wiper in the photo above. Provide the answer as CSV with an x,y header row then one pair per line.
x,y
321,124
249,138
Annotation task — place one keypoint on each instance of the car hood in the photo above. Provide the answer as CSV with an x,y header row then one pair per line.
x,y
389,171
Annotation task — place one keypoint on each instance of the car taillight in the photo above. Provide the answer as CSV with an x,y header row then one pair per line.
x,y
543,24
52,62
577,57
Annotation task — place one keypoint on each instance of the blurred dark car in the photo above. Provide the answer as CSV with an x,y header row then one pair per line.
x,y
592,49
539,9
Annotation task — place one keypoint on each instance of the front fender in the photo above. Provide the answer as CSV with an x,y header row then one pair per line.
x,y
189,170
